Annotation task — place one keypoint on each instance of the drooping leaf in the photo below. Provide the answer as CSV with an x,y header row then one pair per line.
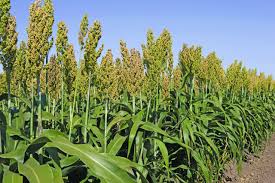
x,y
97,163
36,173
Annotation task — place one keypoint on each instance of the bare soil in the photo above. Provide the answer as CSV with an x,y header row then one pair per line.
x,y
257,169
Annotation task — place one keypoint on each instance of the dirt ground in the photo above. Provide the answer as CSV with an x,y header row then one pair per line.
x,y
258,169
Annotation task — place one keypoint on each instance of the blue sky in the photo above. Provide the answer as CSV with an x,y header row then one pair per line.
x,y
235,29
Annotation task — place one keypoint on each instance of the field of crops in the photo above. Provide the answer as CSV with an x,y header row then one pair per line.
x,y
137,118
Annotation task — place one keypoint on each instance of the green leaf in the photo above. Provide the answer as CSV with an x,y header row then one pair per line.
x,y
10,177
205,170
153,128
115,144
67,161
164,152
116,120
132,134
97,163
16,133
47,116
36,173
17,154
122,162
57,173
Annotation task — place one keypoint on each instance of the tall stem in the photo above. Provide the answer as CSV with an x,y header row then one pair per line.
x,y
148,108
140,99
105,125
39,127
87,110
71,122
47,60
192,93
94,95
32,113
62,97
53,113
134,105
9,96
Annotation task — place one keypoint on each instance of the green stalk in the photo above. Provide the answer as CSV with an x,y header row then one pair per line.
x,y
47,90
140,99
9,95
72,111
53,113
94,95
71,122
62,99
105,126
9,109
32,113
192,93
75,94
155,122
206,88
134,105
76,103
39,132
148,108
87,110
49,103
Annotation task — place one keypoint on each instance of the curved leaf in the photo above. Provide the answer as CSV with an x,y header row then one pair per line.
x,y
97,163
115,144
10,177
36,173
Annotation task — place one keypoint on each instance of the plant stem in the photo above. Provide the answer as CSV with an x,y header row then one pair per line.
x,y
94,95
87,110
39,128
148,108
105,126
134,105
32,113
140,99
62,98
192,93
53,113
71,122
8,75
